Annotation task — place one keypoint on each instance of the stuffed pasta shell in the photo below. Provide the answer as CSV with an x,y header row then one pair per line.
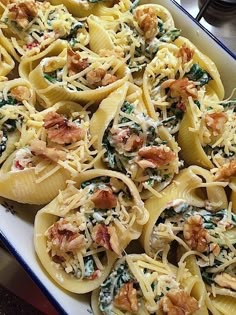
x,y
141,285
85,8
132,142
64,137
81,232
55,146
7,63
82,76
33,25
134,36
16,100
211,132
213,256
183,202
179,71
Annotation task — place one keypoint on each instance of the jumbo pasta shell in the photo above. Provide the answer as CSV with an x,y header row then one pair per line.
x,y
205,63
13,137
99,38
29,63
82,9
43,221
7,63
187,139
186,186
108,116
52,91
68,204
132,265
27,186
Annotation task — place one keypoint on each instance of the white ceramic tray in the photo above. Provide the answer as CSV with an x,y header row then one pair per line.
x,y
16,222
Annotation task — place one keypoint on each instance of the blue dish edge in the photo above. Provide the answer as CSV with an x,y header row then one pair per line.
x,y
32,274
233,55
12,249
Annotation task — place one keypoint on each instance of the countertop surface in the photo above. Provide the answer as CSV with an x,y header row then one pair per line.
x,y
10,304
18,293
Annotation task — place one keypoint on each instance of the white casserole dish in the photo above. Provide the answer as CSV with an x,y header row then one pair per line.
x,y
16,222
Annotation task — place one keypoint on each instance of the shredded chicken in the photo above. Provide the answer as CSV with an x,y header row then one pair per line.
x,y
104,199
155,156
195,235
126,298
178,302
147,21
22,12
39,148
100,77
226,171
224,280
21,93
62,131
185,53
216,122
181,88
74,62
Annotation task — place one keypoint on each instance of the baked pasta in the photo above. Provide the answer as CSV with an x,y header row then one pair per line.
x,y
177,72
141,285
211,132
97,99
134,36
7,63
82,76
179,204
97,7
133,143
82,231
56,139
32,25
16,99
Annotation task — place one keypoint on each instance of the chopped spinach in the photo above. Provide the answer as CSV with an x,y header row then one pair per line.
x,y
207,278
97,180
10,125
89,266
197,103
196,73
127,107
151,135
161,29
49,78
110,287
170,36
3,141
9,101
73,32
229,104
